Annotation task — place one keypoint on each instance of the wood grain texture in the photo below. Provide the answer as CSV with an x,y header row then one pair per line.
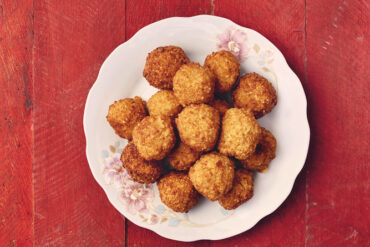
x,y
283,23
142,13
50,54
16,208
138,15
337,209
72,39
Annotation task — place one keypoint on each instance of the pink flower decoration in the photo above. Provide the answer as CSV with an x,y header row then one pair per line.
x,y
235,41
136,196
114,171
154,219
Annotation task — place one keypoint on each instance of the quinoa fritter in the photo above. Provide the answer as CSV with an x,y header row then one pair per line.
x,y
264,153
164,103
212,175
241,191
161,65
177,191
240,133
154,137
198,126
183,157
140,170
255,93
221,105
190,122
225,67
193,84
125,114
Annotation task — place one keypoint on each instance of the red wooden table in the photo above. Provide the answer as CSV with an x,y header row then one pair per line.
x,y
50,54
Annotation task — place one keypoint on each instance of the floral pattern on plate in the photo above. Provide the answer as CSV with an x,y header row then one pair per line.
x,y
236,41
139,199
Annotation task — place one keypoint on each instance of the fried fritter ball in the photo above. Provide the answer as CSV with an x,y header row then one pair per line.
x,y
199,126
183,157
193,84
221,105
264,153
225,67
255,93
241,191
154,137
164,103
140,170
177,192
162,64
212,175
240,133
125,114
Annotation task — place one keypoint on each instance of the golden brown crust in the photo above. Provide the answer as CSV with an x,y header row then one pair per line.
x,y
193,84
177,192
164,103
162,64
241,191
140,170
212,175
264,153
221,105
125,114
240,133
198,126
225,67
154,137
183,157
255,93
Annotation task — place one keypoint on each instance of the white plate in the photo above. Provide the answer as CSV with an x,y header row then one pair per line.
x,y
121,76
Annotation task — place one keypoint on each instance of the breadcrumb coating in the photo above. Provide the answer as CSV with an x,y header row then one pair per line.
x,y
240,133
199,126
154,137
177,192
212,175
255,93
221,105
193,84
264,153
241,191
125,114
183,157
164,103
225,67
139,169
162,64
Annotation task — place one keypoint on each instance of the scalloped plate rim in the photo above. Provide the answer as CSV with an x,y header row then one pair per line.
x,y
272,208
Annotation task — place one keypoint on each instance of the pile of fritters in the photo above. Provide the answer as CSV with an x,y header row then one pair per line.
x,y
212,147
